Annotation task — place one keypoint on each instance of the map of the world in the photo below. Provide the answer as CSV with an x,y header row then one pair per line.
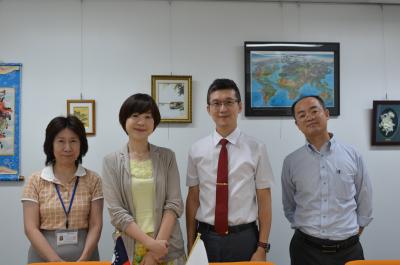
x,y
279,78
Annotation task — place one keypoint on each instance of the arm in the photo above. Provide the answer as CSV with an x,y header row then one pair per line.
x,y
167,225
158,247
173,205
32,231
264,221
94,232
192,204
288,191
112,189
363,195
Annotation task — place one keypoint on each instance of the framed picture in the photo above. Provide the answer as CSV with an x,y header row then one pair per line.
x,y
385,122
85,111
279,73
173,95
10,94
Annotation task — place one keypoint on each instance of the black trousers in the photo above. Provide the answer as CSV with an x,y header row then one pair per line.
x,y
236,246
304,252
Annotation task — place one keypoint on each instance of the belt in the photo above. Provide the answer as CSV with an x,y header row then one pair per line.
x,y
326,245
231,229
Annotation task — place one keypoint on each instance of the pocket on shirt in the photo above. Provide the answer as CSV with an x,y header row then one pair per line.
x,y
345,188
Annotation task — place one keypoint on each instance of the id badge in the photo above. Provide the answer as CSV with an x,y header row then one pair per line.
x,y
66,237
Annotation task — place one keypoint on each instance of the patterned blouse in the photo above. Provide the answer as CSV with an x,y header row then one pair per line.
x,y
41,189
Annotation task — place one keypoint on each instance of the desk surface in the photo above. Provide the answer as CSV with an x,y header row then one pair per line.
x,y
374,262
244,263
74,263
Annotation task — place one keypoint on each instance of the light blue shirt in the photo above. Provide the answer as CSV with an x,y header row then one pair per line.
x,y
326,193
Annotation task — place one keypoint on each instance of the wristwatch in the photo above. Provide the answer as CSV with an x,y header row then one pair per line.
x,y
266,246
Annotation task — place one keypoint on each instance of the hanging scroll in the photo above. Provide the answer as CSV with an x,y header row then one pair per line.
x,y
10,85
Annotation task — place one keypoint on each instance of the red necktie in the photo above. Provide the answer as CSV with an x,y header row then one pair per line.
x,y
221,202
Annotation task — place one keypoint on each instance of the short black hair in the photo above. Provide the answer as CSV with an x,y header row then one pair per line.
x,y
223,84
139,103
321,101
58,124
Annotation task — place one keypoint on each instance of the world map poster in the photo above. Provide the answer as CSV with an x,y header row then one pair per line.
x,y
277,78
10,85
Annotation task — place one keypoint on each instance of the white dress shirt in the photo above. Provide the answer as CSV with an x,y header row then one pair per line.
x,y
248,169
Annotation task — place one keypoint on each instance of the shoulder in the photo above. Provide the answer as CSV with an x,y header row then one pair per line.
x,y
112,156
36,175
33,186
345,146
347,149
92,181
164,151
200,146
205,141
112,159
250,140
91,175
158,153
296,154
35,179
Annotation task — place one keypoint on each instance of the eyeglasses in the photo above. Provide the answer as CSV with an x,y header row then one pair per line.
x,y
226,103
303,115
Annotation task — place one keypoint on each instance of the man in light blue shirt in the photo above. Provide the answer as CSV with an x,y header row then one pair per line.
x,y
326,192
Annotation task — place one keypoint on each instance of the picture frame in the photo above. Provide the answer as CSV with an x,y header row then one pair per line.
x,y
385,122
10,117
85,111
279,73
173,95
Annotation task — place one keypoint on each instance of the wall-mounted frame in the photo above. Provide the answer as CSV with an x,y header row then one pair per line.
x,y
278,73
10,89
173,95
85,110
385,122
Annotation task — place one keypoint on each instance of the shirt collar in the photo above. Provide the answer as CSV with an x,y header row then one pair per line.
x,y
327,147
232,138
48,173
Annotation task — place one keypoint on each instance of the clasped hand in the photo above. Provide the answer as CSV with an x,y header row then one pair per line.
x,y
158,249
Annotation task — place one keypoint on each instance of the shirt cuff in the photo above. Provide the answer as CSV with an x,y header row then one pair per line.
x,y
29,199
363,221
192,182
97,198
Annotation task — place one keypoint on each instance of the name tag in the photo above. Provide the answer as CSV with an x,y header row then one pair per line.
x,y
67,237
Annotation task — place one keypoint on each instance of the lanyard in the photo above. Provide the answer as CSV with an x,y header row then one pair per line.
x,y
70,203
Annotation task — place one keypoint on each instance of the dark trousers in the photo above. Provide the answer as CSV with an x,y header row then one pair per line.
x,y
235,246
307,250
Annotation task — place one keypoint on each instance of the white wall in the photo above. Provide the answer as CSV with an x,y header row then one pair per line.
x,y
125,42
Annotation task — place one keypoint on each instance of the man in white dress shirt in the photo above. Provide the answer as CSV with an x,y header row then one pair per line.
x,y
249,177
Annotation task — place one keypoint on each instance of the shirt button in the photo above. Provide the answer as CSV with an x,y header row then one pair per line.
x,y
324,216
324,183
325,200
